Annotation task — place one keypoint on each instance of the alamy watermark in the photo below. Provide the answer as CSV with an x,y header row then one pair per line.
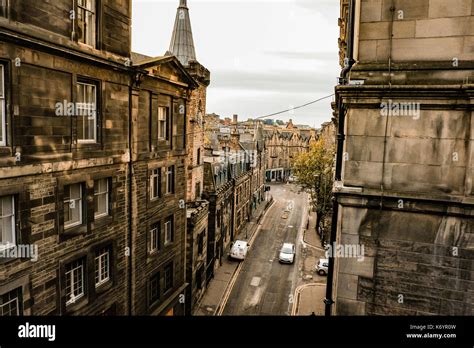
x,y
66,108
235,157
346,251
403,109
19,251
37,331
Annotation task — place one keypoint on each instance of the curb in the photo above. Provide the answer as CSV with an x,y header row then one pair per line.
x,y
297,295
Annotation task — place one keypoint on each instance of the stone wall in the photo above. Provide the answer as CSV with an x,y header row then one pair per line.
x,y
406,191
428,30
49,157
196,259
415,263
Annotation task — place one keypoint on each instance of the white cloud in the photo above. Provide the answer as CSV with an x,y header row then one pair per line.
x,y
263,55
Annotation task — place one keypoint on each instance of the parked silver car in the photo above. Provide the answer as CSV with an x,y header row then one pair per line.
x,y
287,253
322,267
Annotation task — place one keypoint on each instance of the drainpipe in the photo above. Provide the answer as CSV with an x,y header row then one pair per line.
x,y
348,62
130,205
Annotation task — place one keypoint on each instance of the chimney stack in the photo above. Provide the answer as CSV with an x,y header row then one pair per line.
x,y
236,119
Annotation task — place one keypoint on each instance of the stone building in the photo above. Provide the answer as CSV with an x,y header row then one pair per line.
x,y
327,133
404,164
182,47
254,144
219,191
282,145
196,251
64,158
93,152
233,184
158,185
241,174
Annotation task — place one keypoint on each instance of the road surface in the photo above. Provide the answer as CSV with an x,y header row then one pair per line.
x,y
264,286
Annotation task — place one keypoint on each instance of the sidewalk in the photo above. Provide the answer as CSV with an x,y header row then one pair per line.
x,y
309,297
310,236
216,290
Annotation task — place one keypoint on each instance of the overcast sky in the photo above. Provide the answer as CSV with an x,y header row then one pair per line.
x,y
264,55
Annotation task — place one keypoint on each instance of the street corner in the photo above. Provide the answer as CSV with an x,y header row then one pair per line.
x,y
309,300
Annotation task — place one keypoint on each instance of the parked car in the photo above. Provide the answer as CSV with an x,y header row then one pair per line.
x,y
287,253
239,250
322,267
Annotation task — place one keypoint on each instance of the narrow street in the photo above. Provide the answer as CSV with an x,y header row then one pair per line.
x,y
264,286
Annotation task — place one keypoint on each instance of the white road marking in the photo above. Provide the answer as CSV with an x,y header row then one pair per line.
x,y
255,281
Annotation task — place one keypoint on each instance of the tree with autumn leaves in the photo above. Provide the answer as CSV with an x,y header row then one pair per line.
x,y
314,170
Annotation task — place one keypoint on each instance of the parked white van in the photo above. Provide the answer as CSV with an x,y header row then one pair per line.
x,y
239,250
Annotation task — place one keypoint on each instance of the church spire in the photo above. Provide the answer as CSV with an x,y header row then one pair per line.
x,y
182,43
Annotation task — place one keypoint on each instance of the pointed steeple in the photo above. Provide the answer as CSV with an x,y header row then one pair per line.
x,y
182,43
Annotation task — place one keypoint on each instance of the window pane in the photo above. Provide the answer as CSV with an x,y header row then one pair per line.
x,y
75,214
98,186
75,191
162,122
101,205
154,288
74,281
161,114
86,22
1,79
101,197
102,263
6,206
7,220
67,216
3,8
169,230
72,205
155,187
90,93
154,238
11,303
80,93
87,111
168,277
155,183
7,232
91,128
